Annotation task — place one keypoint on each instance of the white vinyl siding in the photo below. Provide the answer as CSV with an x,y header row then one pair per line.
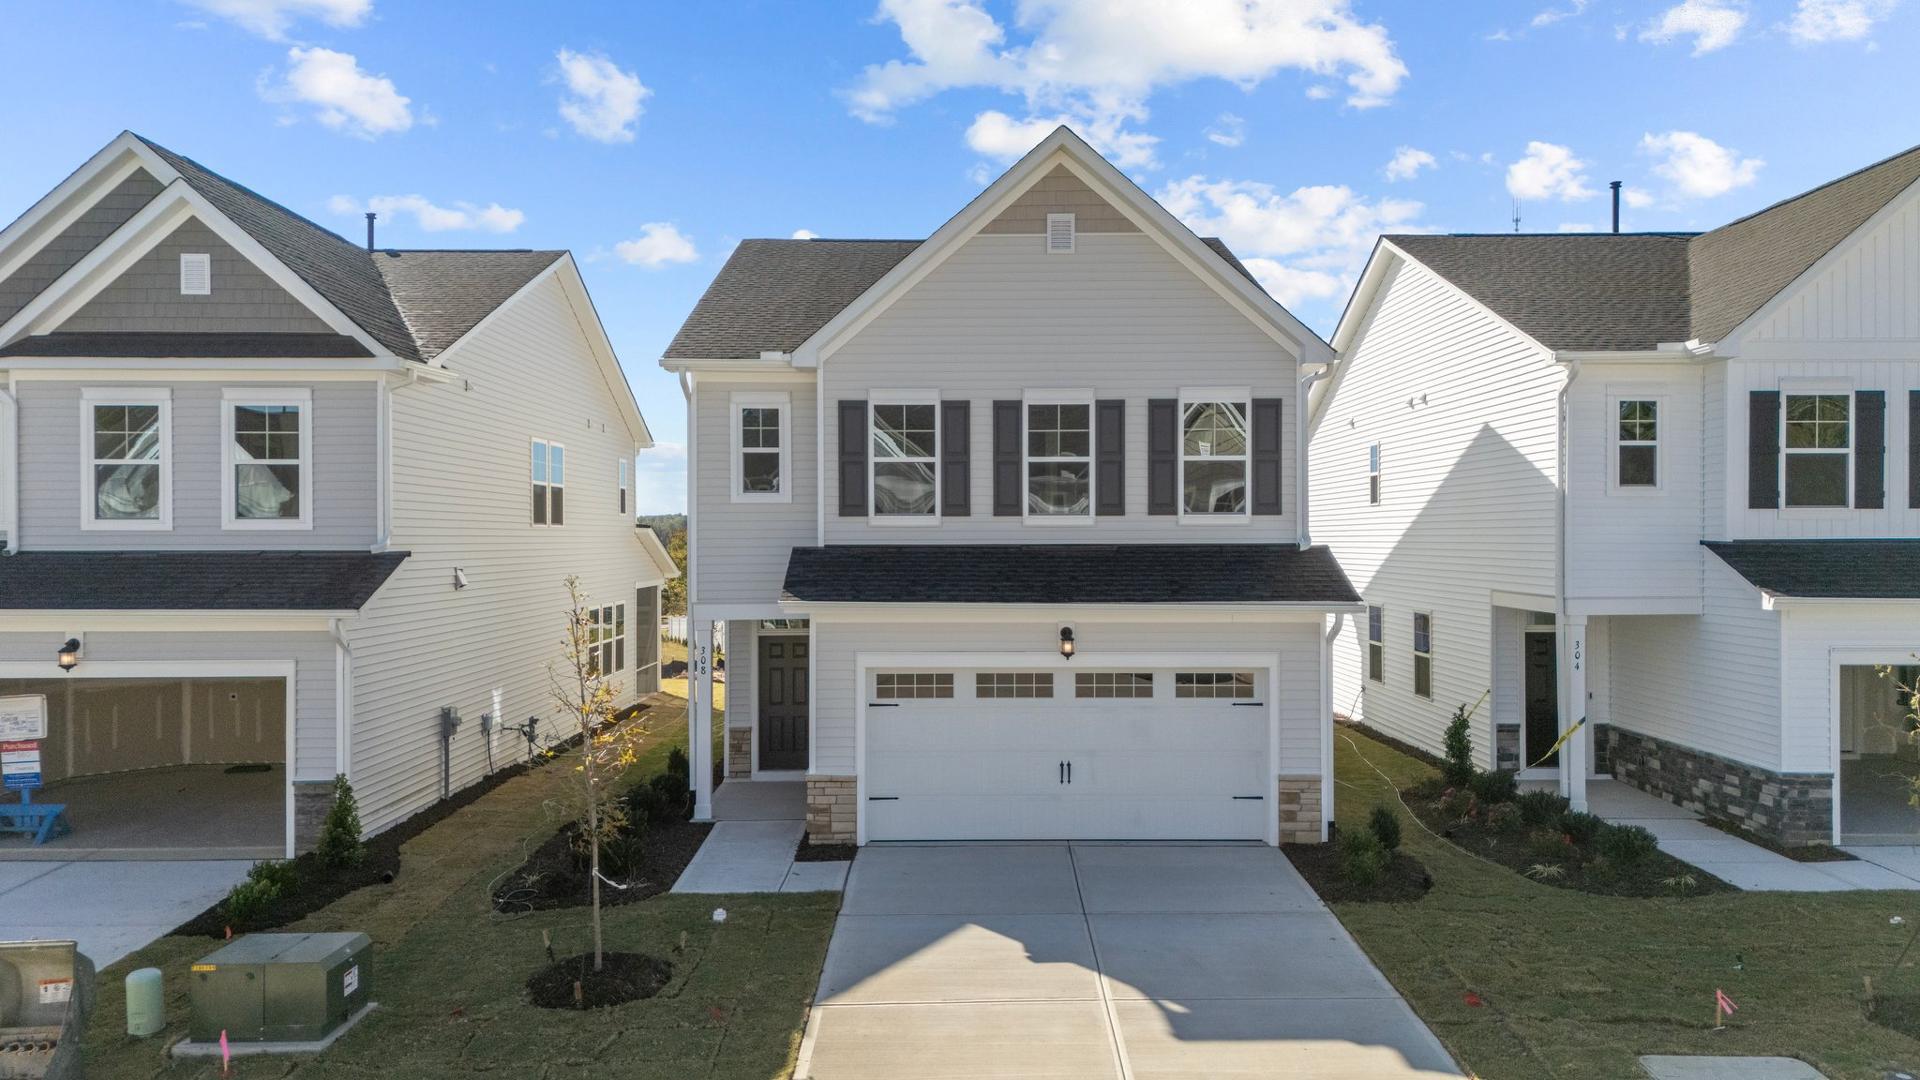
x,y
742,548
1635,547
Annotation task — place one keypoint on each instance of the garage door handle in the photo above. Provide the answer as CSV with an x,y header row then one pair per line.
x,y
883,704
1250,704
1253,798
1063,772
1069,772
883,798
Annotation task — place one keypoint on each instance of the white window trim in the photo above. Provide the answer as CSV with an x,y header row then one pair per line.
x,y
1659,444
1413,675
1057,397
1234,395
231,397
736,403
904,397
1376,488
1791,388
107,395
562,485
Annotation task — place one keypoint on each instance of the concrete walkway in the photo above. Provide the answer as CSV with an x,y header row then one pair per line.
x,y
1135,961
757,826
110,908
1745,865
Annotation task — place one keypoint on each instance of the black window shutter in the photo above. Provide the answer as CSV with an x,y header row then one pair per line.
x,y
1110,457
1763,450
853,459
956,493
1006,458
1913,448
1267,431
1163,456
1870,449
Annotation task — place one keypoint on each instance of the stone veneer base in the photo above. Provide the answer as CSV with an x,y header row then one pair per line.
x,y
739,753
831,809
1300,810
1794,808
311,801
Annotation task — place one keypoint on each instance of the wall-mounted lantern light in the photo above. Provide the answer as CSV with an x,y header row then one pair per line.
x,y
70,654
1066,642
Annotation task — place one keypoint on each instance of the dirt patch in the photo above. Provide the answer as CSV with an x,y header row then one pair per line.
x,y
556,874
1404,880
812,852
573,984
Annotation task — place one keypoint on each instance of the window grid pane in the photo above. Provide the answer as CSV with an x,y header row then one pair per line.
x,y
1213,684
1376,622
126,456
266,471
915,685
1818,443
1059,460
904,441
1113,684
1013,684
1213,457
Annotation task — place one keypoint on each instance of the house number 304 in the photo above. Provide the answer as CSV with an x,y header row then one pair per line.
x,y
1579,646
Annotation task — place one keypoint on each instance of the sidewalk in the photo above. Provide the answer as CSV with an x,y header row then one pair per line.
x,y
757,825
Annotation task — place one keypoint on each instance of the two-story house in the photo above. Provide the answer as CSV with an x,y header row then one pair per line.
x,y
1666,484
1006,525
283,506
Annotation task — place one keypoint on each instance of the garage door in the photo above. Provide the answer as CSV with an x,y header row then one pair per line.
x,y
1143,754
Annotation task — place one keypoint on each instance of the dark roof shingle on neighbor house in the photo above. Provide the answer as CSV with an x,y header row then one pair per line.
x,y
1066,574
1826,569
444,294
772,295
176,345
193,580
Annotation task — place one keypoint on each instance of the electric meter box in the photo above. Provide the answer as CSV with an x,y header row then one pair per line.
x,y
280,987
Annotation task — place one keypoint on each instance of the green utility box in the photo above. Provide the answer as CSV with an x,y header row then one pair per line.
x,y
280,987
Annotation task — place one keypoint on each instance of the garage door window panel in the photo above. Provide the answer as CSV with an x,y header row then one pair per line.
x,y
913,686
1236,685
1113,684
1013,684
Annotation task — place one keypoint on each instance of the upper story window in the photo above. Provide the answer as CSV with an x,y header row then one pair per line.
x,y
549,483
1637,443
906,449
1818,449
1213,454
268,481
1376,643
126,473
761,455
1060,458
624,466
1373,475
1423,654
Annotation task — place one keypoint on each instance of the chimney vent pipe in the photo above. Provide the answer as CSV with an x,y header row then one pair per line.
x,y
1615,185
371,215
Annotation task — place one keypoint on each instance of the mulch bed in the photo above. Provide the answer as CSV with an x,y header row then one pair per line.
x,y
555,875
622,977
811,852
1404,880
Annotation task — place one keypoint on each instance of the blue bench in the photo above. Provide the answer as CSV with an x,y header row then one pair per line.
x,y
42,821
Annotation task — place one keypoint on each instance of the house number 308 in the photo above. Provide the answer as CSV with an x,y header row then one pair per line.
x,y
700,660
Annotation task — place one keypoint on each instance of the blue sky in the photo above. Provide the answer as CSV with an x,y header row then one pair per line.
x,y
649,138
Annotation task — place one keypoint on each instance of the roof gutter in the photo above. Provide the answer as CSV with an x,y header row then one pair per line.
x,y
1679,352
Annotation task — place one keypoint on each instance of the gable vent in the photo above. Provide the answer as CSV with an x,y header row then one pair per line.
x,y
1059,234
196,275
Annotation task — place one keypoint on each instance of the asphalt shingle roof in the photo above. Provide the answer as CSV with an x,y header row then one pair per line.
x,y
142,344
1066,574
193,580
443,294
1826,569
773,294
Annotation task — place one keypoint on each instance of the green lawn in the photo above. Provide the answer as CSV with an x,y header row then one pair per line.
x,y
448,974
1576,986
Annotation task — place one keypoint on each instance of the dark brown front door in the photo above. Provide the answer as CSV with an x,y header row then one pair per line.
x,y
783,702
1543,699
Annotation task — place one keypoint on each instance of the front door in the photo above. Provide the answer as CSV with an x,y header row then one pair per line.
x,y
783,702
1543,700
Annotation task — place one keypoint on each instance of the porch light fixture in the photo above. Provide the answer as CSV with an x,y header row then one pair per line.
x,y
70,654
1066,642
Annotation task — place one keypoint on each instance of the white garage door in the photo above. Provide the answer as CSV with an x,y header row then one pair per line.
x,y
1143,754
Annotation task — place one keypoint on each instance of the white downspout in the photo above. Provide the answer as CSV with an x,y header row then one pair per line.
x,y
1300,448
10,470
1574,760
343,700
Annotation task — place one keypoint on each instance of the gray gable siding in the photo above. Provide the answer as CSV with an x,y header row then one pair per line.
x,y
345,487
62,251
1060,192
146,297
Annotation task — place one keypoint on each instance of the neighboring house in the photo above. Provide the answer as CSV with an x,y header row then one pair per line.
x,y
1005,525
1668,484
297,500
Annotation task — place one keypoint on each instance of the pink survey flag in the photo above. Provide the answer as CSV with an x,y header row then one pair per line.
x,y
1725,1003
226,1057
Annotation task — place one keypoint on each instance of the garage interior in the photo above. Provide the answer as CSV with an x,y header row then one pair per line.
x,y
1879,758
160,768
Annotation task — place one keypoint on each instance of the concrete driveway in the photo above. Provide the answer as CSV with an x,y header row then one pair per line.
x,y
1147,962
111,908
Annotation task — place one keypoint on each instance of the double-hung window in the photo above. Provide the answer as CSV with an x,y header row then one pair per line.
x,y
126,480
762,433
549,483
1060,456
1636,453
904,462
1376,643
1373,474
1817,449
1214,454
607,638
625,465
268,480
1423,654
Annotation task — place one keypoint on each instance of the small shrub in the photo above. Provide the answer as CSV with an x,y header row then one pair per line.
x,y
1363,861
1580,827
249,901
1625,845
1454,801
1459,768
1540,808
1495,787
648,805
677,765
1681,883
1548,843
340,843
1545,872
1503,817
1384,824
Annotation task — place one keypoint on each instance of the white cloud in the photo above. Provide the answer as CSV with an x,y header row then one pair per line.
x,y
602,102
659,244
343,97
1698,167
1407,163
1229,130
431,217
1308,244
805,234
1099,61
1553,15
1548,171
1636,198
1713,24
271,19
1816,22
999,136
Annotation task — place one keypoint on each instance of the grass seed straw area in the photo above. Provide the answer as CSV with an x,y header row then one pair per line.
x,y
1575,986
